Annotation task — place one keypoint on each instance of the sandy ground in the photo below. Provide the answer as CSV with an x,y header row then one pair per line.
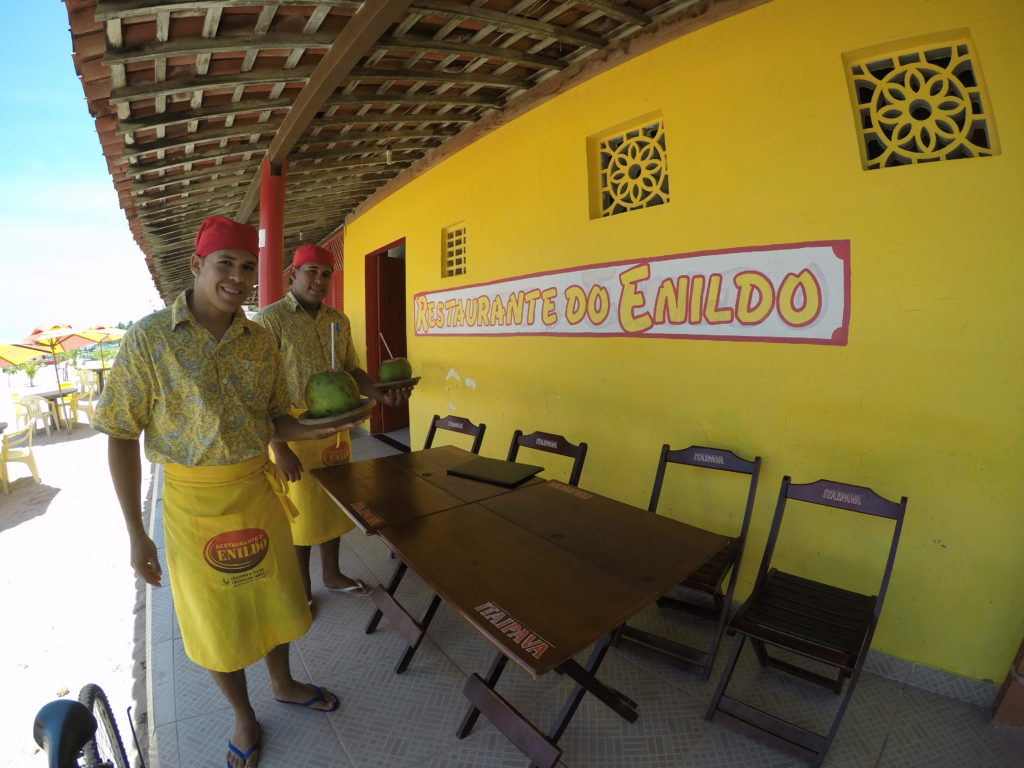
x,y
72,609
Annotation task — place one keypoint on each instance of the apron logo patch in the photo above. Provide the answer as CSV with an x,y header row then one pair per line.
x,y
333,455
236,551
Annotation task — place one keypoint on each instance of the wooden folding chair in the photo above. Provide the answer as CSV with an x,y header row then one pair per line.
x,y
545,441
709,578
812,619
456,424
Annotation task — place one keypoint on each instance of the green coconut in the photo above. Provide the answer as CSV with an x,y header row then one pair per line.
x,y
331,392
395,369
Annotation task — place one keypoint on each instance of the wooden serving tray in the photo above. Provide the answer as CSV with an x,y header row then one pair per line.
x,y
358,413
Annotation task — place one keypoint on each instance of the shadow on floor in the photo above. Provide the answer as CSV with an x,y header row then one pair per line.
x,y
26,500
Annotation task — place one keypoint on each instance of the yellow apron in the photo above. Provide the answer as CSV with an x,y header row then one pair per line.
x,y
232,566
320,518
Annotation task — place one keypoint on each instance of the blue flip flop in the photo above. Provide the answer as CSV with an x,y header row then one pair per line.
x,y
315,700
243,756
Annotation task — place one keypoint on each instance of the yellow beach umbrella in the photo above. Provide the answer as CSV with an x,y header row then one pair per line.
x,y
106,333
13,353
103,333
62,338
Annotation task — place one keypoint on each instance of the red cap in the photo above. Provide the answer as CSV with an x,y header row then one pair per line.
x,y
307,253
218,233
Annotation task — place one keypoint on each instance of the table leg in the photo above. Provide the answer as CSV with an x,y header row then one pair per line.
x,y
493,674
585,681
410,629
396,579
58,416
542,751
403,663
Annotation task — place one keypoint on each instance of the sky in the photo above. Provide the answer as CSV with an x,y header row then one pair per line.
x,y
66,253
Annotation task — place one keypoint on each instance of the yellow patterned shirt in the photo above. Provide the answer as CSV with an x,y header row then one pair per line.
x,y
305,342
199,401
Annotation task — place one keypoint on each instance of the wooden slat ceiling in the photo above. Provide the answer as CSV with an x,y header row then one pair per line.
x,y
190,97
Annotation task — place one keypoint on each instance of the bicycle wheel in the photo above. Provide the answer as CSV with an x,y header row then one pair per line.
x,y
105,749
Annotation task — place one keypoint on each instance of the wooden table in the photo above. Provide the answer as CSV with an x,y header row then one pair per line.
x,y
593,562
392,489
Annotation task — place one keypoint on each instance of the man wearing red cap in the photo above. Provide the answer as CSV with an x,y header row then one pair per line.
x,y
206,386
302,325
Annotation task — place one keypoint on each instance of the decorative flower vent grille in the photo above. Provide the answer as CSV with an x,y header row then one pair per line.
x,y
921,103
632,169
454,251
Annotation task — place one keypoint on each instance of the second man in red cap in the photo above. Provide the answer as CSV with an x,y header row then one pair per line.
x,y
302,325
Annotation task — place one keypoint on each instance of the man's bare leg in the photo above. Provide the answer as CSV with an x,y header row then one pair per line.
x,y
333,577
286,688
247,729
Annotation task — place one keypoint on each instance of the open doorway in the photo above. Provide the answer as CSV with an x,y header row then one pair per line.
x,y
385,322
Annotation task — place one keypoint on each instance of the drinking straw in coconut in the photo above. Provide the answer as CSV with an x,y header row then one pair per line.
x,y
333,328
386,347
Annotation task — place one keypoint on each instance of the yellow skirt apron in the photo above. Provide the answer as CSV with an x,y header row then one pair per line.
x,y
320,518
234,575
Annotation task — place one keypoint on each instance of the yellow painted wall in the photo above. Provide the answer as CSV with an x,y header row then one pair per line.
x,y
923,401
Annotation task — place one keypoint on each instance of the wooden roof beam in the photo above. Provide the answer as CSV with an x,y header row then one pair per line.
x,y
155,195
509,22
358,36
169,163
123,9
140,186
217,134
255,106
159,217
438,76
170,187
618,11
428,44
152,90
198,46
233,108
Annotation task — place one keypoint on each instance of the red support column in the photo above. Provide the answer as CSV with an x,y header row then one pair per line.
x,y
336,245
271,281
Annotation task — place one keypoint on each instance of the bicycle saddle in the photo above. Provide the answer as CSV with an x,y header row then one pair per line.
x,y
62,728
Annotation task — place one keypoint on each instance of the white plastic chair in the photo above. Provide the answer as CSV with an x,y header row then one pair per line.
x,y
88,383
81,404
20,414
36,409
16,446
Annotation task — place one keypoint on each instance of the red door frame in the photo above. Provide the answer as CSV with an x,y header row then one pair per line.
x,y
385,312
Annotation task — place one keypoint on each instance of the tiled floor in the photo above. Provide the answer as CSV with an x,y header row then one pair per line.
x,y
394,721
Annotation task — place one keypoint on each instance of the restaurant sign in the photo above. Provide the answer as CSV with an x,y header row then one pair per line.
x,y
795,293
